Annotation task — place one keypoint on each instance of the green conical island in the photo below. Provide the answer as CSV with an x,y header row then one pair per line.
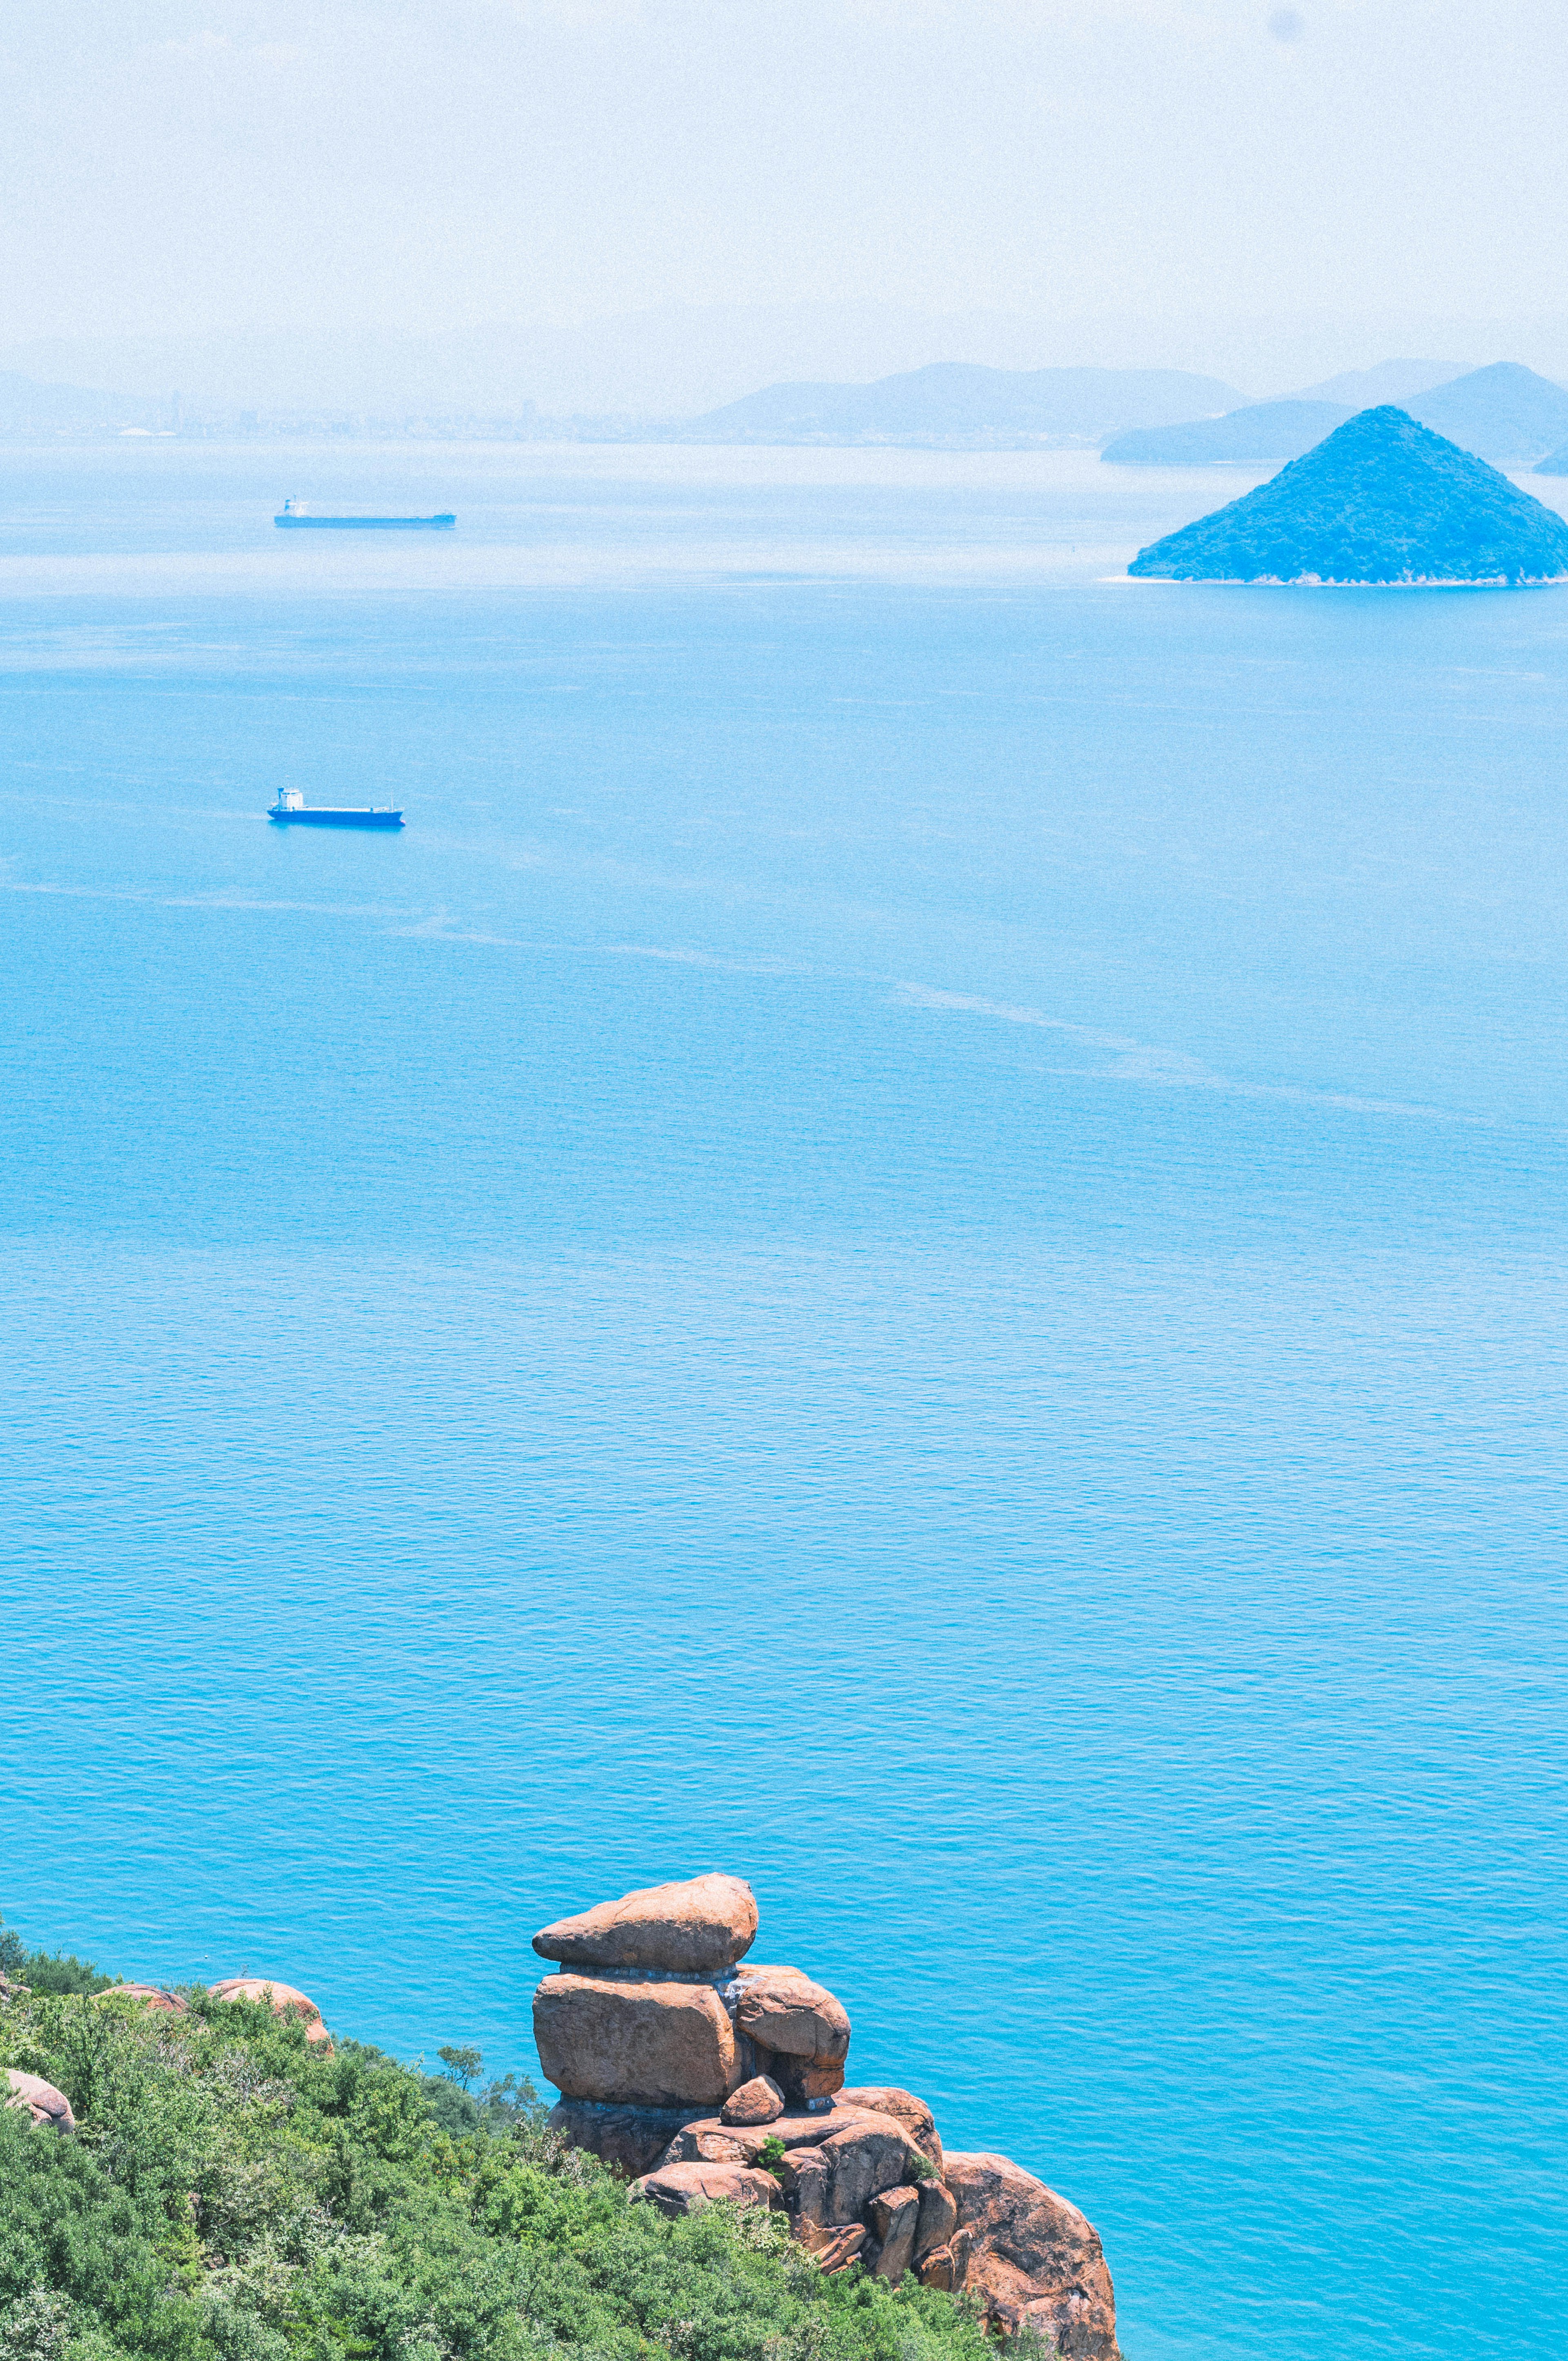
x,y
1380,499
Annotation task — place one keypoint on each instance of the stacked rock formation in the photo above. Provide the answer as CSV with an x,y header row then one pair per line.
x,y
706,2079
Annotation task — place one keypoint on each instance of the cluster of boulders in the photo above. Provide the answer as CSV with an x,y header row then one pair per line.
x,y
707,2078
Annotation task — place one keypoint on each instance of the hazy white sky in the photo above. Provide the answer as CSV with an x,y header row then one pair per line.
x,y
177,165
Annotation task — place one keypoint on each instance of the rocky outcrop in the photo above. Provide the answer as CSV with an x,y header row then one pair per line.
x,y
723,2083
649,2008
41,2099
694,1927
283,2000
1033,2260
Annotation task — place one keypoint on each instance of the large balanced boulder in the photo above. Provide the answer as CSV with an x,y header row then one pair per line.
x,y
678,2189
650,2045
695,1926
283,2000
41,2099
1032,2260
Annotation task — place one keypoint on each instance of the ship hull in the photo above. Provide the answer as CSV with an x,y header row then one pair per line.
x,y
365,524
326,818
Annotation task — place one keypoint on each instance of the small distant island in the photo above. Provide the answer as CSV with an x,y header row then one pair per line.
x,y
1380,499
1258,436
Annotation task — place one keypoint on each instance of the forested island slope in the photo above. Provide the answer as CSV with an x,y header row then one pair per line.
x,y
1380,499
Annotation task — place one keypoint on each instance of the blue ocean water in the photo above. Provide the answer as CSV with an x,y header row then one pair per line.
x,y
912,1242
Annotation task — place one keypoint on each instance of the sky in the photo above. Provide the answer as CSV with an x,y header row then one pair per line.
x,y
180,166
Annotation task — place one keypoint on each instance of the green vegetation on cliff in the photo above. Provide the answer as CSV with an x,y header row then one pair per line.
x,y
234,2195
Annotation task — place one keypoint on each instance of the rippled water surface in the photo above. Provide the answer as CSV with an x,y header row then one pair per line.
x,y
911,1242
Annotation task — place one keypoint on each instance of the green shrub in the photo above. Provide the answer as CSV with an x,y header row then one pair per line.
x,y
47,1971
233,2196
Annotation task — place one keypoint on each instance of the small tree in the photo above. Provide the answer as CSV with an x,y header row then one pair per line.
x,y
462,2062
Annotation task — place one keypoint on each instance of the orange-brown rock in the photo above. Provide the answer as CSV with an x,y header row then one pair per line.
x,y
630,2140
939,2217
41,2099
867,2157
894,2215
805,2178
809,2085
691,1927
651,2044
152,1996
282,1999
836,2249
880,2099
760,2100
687,2188
795,2131
936,2269
789,2014
1034,2262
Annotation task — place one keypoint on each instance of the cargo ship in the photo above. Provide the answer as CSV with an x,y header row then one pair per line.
x,y
291,806
294,513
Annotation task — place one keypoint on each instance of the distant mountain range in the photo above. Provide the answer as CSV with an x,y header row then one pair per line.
x,y
1397,381
28,407
1506,414
952,404
1258,436
1380,499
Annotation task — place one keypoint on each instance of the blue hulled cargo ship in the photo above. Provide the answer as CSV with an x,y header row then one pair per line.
x,y
294,513
291,806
